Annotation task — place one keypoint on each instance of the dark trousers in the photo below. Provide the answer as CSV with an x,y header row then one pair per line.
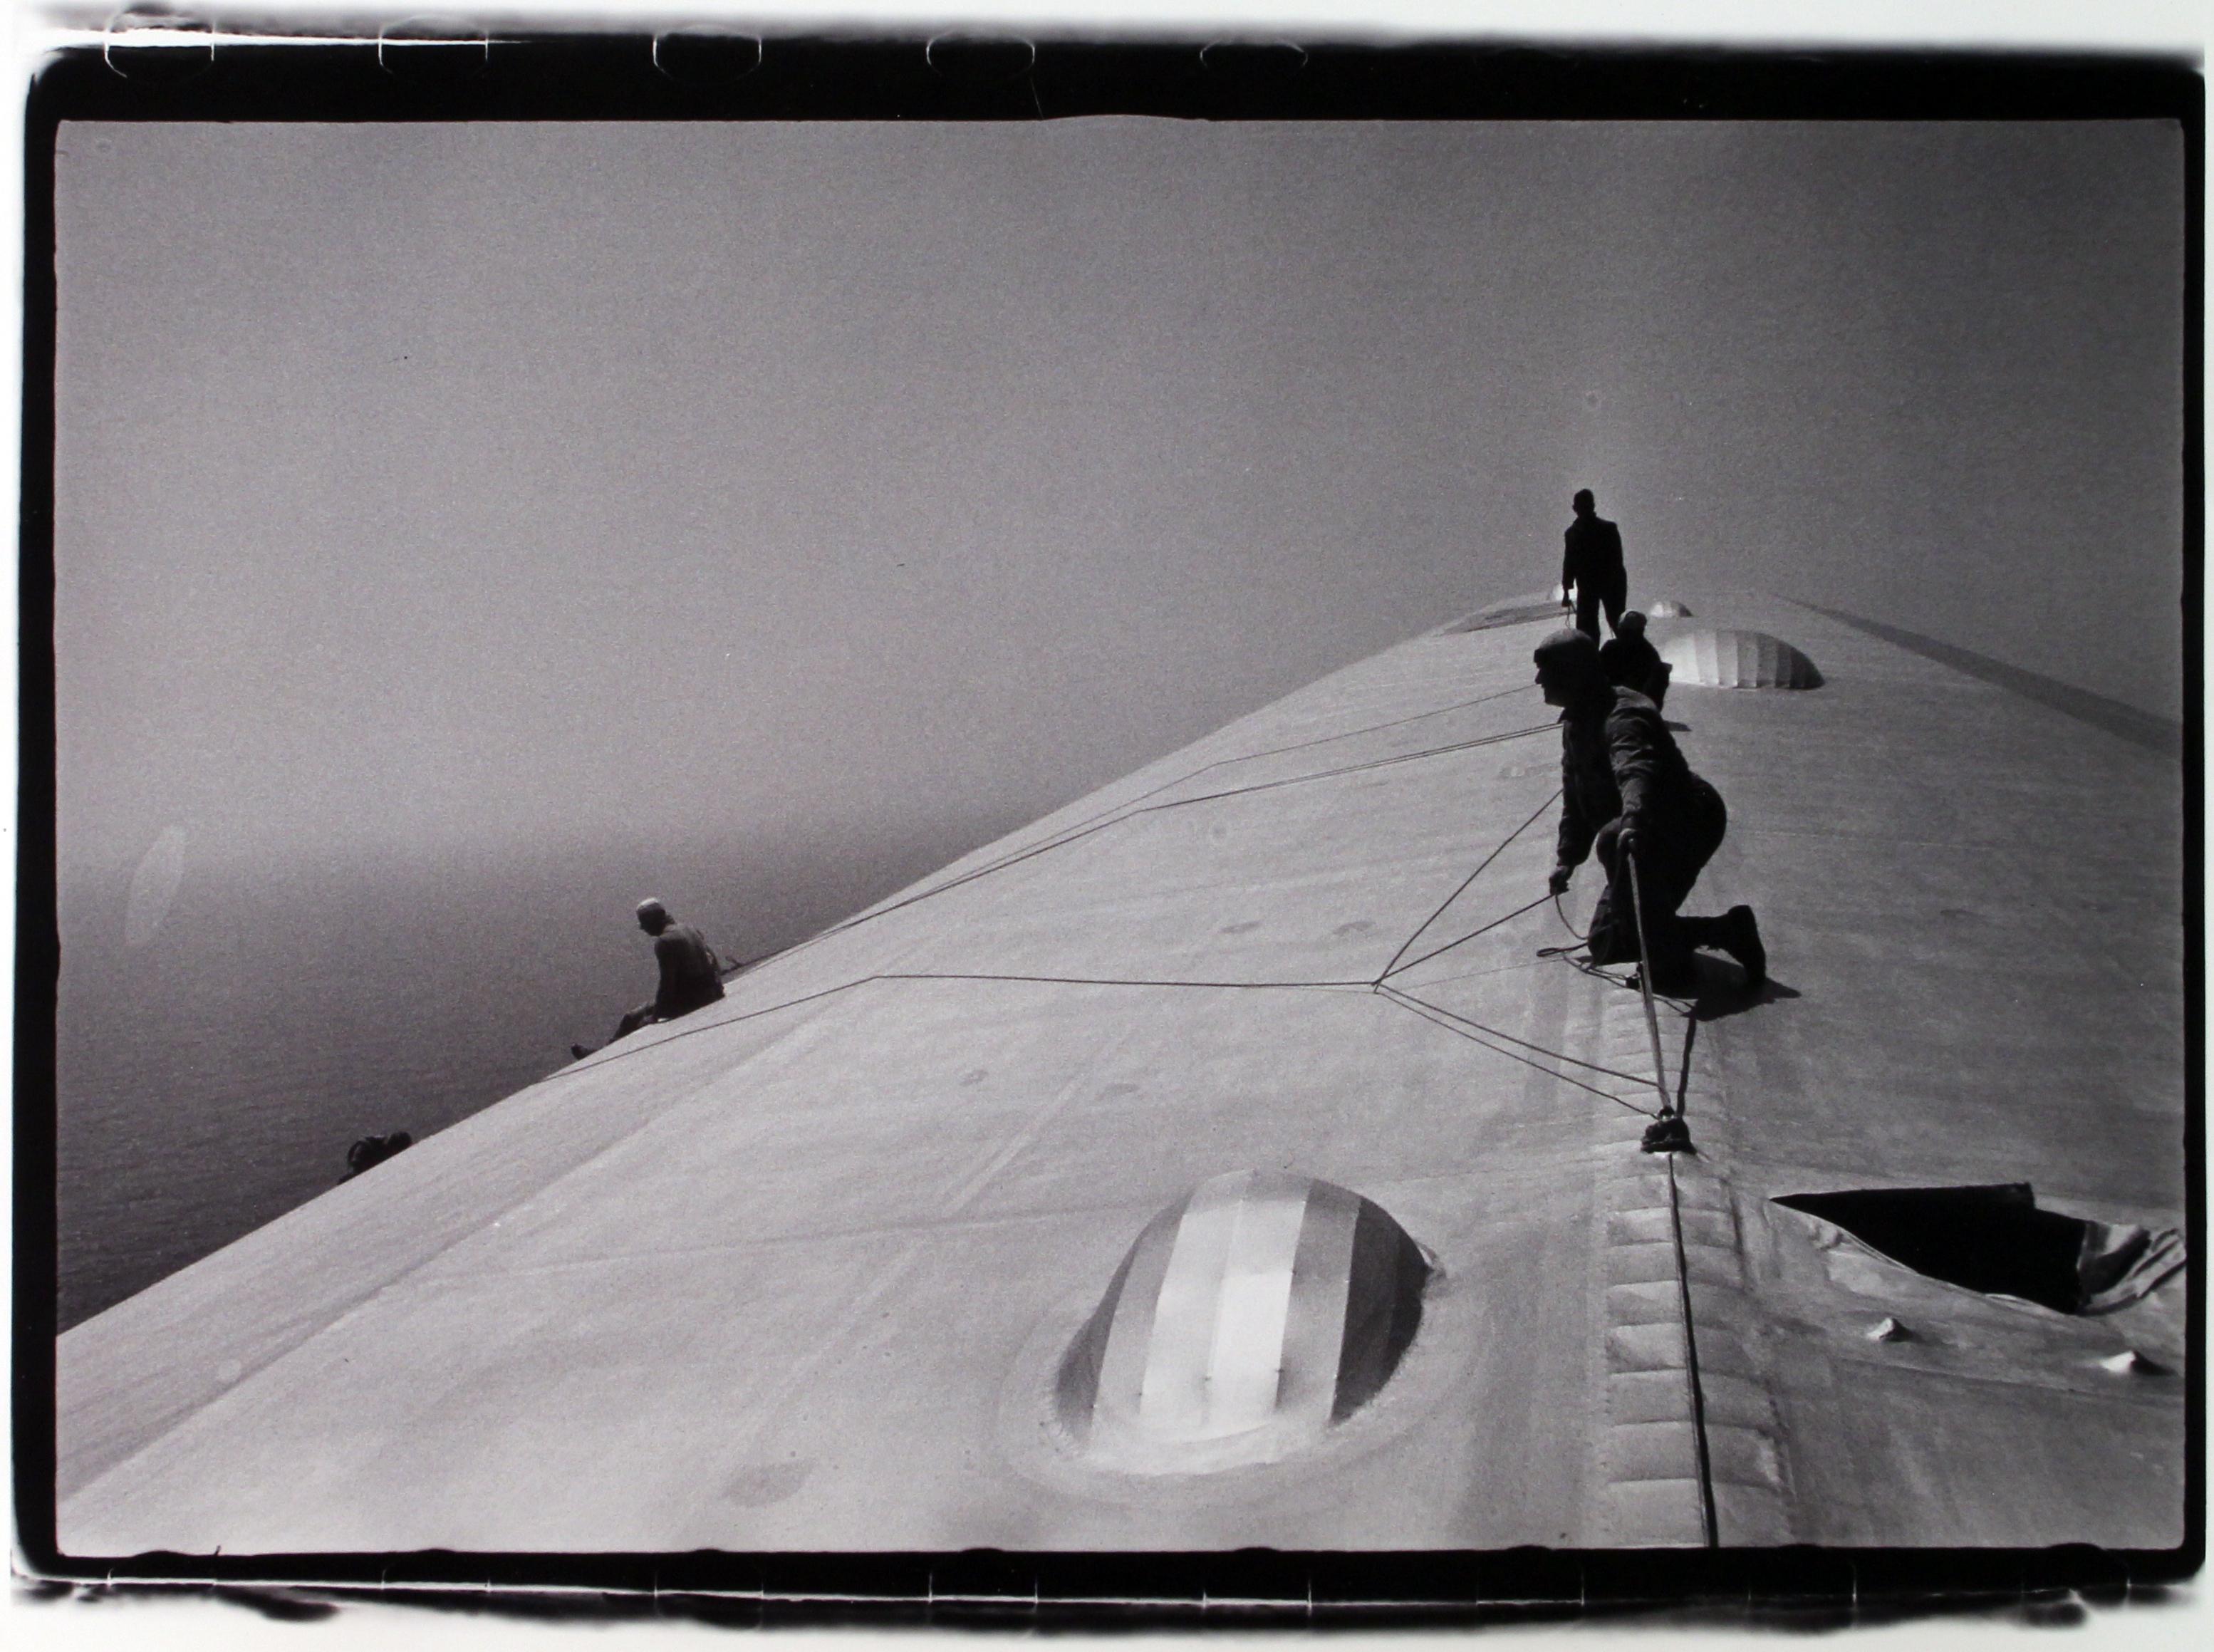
x,y
1612,591
1673,846
643,1016
646,1015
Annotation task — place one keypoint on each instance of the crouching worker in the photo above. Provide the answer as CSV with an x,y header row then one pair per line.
x,y
1630,661
1627,792
691,975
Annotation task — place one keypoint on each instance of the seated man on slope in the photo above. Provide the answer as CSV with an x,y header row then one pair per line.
x,y
691,975
1627,792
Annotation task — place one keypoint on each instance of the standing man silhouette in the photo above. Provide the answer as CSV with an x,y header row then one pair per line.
x,y
1592,566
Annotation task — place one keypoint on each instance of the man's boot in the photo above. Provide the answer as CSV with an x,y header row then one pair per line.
x,y
1741,940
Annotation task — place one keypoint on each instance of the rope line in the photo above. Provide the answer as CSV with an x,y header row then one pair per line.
x,y
619,1054
1441,950
1107,816
1491,1031
1464,884
1566,955
1474,1031
1645,991
1354,769
708,1026
1075,835
1707,1522
1246,758
1512,966
1374,728
1109,981
1178,802
1278,751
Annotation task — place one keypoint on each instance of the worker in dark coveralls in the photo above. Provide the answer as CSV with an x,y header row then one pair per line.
x,y
1591,567
691,975
1627,792
1632,662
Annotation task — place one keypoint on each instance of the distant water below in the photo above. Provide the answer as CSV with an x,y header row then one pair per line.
x,y
210,1076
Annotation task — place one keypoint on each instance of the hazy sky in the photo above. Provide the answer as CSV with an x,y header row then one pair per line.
x,y
435,484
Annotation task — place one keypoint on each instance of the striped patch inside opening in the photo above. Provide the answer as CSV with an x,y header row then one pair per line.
x,y
1262,1298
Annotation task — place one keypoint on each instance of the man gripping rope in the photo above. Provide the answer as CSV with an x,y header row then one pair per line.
x,y
1627,792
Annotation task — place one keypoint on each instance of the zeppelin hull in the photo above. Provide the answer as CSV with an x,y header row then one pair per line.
x,y
808,1269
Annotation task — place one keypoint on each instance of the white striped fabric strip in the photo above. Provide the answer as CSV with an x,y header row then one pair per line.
x,y
1173,1401
1244,1366
1216,1352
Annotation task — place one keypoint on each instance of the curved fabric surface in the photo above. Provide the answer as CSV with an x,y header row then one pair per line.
x,y
1245,1320
801,1273
1738,659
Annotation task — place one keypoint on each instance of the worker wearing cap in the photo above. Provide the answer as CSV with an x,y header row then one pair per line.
x,y
1631,660
1627,794
691,975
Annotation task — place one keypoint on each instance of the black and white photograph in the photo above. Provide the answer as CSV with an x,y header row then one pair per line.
x,y
1096,833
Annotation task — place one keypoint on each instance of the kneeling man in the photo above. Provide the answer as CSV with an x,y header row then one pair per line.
x,y
1627,792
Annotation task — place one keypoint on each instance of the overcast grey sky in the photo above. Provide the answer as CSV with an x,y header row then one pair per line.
x,y
434,485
